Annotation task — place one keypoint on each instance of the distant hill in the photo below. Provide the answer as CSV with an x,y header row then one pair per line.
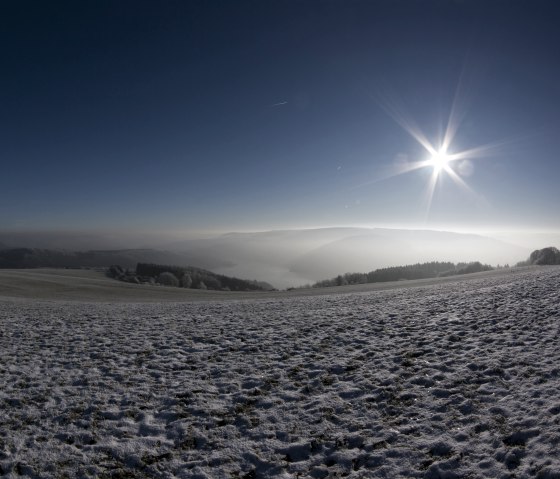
x,y
21,258
128,258
61,241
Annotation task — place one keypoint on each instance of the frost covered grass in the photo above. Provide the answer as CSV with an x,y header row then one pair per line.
x,y
452,380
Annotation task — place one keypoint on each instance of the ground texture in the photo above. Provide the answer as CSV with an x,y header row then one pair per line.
x,y
457,380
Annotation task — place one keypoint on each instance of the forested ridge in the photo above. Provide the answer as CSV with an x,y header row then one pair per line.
x,y
432,269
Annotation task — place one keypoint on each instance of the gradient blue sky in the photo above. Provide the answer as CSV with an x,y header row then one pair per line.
x,y
236,115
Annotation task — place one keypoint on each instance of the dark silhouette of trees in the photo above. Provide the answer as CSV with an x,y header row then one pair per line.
x,y
167,279
463,268
186,281
198,278
398,273
548,255
14,258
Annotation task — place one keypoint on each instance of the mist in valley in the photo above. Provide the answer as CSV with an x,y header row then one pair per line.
x,y
294,257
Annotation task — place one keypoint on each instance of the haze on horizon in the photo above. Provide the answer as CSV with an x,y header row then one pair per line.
x,y
184,119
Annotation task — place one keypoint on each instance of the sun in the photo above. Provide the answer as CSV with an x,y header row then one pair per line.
x,y
439,160
437,156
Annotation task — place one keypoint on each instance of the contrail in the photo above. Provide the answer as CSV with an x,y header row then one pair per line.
x,y
279,104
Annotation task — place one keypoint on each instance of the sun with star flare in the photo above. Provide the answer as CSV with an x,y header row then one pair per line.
x,y
441,157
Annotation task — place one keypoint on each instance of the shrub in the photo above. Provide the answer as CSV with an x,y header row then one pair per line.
x,y
549,255
186,281
212,282
115,271
168,279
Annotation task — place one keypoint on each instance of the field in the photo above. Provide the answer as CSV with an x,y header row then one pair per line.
x,y
439,379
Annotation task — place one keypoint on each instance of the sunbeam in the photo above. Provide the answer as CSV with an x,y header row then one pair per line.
x,y
430,192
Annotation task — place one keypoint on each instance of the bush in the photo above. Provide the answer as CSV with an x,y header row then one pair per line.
x,y
168,279
212,282
186,281
115,271
549,255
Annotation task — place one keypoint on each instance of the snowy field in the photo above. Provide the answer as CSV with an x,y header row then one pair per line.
x,y
457,379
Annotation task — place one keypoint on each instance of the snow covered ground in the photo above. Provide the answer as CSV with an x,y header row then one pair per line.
x,y
454,380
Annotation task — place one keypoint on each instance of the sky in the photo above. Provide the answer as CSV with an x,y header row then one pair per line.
x,y
197,116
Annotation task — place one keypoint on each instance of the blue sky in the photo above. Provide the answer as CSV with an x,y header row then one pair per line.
x,y
231,116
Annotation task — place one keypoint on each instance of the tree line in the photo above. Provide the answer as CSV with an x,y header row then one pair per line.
x,y
432,269
197,278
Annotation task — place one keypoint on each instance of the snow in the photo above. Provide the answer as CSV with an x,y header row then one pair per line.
x,y
458,379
